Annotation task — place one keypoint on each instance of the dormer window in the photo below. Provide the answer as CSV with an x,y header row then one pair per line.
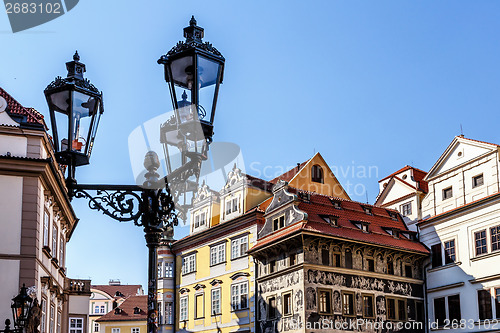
x,y
336,204
393,215
200,220
306,197
118,294
367,210
118,310
279,222
361,225
232,206
137,310
331,220
317,174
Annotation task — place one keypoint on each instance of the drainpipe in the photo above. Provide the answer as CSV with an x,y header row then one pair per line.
x,y
255,293
174,276
426,307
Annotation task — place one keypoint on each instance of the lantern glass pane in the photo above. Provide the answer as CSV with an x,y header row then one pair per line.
x,y
61,121
182,72
208,71
84,107
60,101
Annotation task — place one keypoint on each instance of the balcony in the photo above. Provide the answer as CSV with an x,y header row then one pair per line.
x,y
77,287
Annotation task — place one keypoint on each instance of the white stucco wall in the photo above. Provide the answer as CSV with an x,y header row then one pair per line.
x,y
11,193
9,282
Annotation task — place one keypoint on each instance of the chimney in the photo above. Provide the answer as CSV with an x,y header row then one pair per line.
x,y
298,166
114,282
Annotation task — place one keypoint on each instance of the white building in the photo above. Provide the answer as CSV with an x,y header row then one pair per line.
x,y
36,222
461,225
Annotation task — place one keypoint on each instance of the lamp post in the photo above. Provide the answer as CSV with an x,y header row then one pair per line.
x,y
75,107
21,307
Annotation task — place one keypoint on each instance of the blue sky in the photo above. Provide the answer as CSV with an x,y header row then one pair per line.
x,y
377,84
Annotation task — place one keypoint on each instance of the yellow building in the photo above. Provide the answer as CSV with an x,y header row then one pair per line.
x,y
104,298
215,277
129,317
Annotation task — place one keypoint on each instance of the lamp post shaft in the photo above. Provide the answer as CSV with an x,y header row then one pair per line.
x,y
153,242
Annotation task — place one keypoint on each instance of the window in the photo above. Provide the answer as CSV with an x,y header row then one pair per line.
x,y
325,256
454,308
317,174
54,241
337,260
292,259
495,238
199,311
447,193
217,254
160,269
331,220
287,304
183,309
484,302
480,238
325,301
52,318
272,266
136,329
232,206
216,302
96,327
239,247
406,209
348,303
59,316
371,265
189,264
401,310
115,330
239,296
61,250
477,180
336,204
449,252
96,309
497,303
408,271
169,269
76,325
368,307
44,315
169,310
348,258
271,307
437,259
279,223
390,266
102,309
391,308
367,210
46,222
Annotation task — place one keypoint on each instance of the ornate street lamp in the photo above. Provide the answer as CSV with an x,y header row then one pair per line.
x,y
21,306
193,71
75,107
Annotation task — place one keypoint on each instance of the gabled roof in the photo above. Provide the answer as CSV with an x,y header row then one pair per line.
x,y
29,115
418,177
290,174
126,290
319,206
127,310
449,150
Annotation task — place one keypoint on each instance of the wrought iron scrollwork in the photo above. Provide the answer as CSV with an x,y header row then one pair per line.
x,y
121,205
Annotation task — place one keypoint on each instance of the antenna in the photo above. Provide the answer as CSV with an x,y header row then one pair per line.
x,y
366,192
461,131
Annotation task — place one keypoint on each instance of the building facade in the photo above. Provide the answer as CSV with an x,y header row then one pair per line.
x,y
128,317
36,223
461,226
329,264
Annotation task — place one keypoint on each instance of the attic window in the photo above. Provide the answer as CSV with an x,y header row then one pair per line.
x,y
393,215
336,204
367,210
118,294
137,310
118,311
317,174
361,225
395,233
331,220
306,197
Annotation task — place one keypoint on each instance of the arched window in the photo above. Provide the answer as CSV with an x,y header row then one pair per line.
x,y
317,174
348,258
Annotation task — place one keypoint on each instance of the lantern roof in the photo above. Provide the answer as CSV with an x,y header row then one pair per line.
x,y
194,41
75,77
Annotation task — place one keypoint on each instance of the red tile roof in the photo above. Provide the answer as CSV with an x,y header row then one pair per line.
x,y
488,143
351,211
31,115
418,177
287,176
127,310
126,290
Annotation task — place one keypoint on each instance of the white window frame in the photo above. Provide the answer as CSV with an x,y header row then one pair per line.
x,y
43,324
217,254
61,250
169,270
46,229
169,311
405,205
183,308
115,330
238,290
76,329
135,330
239,247
189,264
96,327
215,301
52,319
54,240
